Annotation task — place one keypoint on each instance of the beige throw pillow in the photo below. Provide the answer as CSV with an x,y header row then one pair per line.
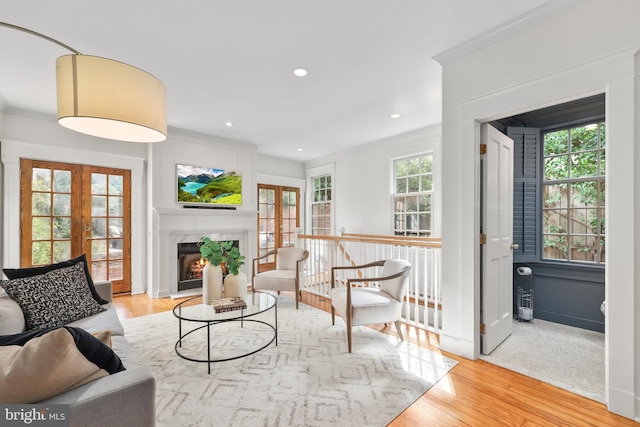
x,y
44,367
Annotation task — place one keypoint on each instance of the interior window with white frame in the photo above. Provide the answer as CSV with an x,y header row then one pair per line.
x,y
321,206
413,195
573,193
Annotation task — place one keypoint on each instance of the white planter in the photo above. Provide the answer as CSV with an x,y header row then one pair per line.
x,y
211,283
235,285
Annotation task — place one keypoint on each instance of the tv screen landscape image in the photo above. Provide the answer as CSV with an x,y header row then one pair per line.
x,y
199,185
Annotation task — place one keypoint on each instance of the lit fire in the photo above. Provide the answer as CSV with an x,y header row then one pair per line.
x,y
195,269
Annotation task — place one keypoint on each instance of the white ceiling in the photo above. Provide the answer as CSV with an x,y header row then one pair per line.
x,y
233,60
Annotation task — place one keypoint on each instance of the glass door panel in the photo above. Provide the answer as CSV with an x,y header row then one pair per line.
x,y
266,225
277,220
46,213
289,221
108,219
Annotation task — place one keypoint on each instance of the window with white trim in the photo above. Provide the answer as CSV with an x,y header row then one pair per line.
x,y
573,193
413,195
321,206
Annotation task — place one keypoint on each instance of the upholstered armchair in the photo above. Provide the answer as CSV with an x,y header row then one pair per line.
x,y
379,300
288,272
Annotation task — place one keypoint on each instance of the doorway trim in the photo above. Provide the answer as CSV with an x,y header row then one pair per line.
x,y
13,150
614,76
284,181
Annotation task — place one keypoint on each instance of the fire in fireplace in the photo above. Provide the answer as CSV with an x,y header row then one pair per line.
x,y
190,265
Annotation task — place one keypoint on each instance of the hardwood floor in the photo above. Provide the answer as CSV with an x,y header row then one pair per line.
x,y
474,393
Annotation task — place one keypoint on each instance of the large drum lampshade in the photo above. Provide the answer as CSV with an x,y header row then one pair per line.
x,y
110,99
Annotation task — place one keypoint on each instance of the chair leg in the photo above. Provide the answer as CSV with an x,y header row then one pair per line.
x,y
348,322
399,330
333,316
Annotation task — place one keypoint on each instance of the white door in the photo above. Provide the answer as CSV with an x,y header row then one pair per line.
x,y
497,226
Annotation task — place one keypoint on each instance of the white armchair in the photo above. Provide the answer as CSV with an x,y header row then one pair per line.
x,y
287,275
379,301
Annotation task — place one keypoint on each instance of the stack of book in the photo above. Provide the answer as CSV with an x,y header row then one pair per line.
x,y
228,304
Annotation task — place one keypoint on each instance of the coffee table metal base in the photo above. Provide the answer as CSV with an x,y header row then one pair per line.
x,y
192,310
209,360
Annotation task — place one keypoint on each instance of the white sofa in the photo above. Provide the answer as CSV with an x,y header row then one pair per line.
x,y
126,398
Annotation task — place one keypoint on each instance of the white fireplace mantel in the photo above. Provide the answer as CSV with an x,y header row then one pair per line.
x,y
173,226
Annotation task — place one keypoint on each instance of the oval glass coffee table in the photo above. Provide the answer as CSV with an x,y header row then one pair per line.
x,y
193,310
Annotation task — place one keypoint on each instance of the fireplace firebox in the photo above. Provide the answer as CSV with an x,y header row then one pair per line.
x,y
190,265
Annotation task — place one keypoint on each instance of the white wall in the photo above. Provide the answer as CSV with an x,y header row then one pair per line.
x,y
362,181
40,137
170,222
153,166
276,167
582,51
284,173
199,150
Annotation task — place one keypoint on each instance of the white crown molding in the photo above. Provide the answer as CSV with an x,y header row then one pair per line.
x,y
506,29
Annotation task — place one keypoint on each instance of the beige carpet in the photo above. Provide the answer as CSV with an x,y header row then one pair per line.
x,y
309,379
564,356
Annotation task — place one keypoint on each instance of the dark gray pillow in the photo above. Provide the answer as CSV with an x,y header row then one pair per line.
x,y
54,298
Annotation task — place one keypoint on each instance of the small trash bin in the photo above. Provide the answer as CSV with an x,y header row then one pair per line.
x,y
524,296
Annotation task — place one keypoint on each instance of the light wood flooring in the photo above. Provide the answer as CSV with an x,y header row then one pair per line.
x,y
474,393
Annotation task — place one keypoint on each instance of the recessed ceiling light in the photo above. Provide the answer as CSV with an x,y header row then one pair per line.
x,y
395,116
300,149
300,72
229,124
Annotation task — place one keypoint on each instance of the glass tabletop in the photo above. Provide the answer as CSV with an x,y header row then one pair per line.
x,y
194,310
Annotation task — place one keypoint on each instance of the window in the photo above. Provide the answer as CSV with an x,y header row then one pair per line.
x,y
413,194
573,193
321,206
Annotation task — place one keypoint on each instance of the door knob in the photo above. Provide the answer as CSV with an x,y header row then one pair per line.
x,y
515,246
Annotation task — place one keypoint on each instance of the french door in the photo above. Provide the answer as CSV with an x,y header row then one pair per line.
x,y
278,217
68,210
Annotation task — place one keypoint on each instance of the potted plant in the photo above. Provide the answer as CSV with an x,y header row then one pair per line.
x,y
235,284
214,253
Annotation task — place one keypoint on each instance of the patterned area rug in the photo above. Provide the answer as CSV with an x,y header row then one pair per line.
x,y
308,379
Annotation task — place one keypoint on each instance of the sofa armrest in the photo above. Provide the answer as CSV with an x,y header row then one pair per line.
x,y
127,398
104,289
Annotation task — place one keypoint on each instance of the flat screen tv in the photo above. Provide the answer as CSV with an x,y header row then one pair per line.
x,y
205,186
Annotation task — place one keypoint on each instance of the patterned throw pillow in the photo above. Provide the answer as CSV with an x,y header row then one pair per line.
x,y
18,273
55,298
